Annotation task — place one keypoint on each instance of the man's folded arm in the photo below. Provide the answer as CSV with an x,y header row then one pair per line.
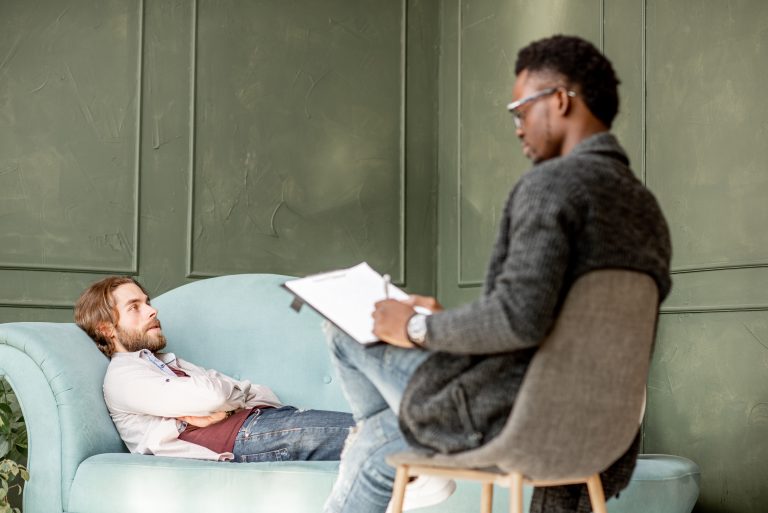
x,y
151,393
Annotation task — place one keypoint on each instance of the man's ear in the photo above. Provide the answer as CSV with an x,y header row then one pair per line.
x,y
564,102
107,330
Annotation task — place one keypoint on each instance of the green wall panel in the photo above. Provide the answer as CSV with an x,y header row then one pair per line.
x,y
24,289
298,136
35,315
69,111
707,127
719,290
624,36
707,400
167,144
480,157
490,160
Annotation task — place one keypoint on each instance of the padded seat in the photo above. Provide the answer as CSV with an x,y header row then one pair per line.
x,y
661,483
131,483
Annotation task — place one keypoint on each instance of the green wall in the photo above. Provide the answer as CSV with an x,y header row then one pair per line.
x,y
176,140
694,121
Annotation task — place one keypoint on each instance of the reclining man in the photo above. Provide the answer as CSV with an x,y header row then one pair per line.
x,y
447,382
166,406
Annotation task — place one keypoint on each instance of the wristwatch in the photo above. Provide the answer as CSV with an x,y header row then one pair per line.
x,y
417,329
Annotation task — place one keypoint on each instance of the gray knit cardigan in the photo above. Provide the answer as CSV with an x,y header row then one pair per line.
x,y
565,217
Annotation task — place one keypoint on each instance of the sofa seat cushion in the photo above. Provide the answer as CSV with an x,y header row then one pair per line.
x,y
661,483
132,483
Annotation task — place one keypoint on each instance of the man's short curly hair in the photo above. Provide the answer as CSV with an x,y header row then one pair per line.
x,y
582,65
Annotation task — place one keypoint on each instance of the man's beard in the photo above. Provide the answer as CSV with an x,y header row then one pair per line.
x,y
136,340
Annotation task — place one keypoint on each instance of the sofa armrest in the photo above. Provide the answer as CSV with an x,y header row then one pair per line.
x,y
57,373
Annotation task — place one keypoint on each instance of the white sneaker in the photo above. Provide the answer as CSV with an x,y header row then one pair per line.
x,y
426,491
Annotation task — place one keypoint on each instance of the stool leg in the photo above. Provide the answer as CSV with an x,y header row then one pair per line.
x,y
596,495
515,492
486,499
398,492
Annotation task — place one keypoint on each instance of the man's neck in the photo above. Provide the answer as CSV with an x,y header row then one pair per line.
x,y
581,132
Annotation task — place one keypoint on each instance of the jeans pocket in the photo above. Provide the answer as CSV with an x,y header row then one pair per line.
x,y
263,457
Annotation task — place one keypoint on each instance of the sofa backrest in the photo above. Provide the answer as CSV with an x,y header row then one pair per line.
x,y
242,325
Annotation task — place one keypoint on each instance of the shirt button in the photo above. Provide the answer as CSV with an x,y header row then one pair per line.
x,y
327,379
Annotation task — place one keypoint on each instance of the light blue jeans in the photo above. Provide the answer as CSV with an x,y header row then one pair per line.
x,y
282,434
373,379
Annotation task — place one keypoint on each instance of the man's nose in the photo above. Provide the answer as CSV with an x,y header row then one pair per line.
x,y
519,132
152,312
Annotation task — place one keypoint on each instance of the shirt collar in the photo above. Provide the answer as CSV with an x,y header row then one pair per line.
x,y
160,360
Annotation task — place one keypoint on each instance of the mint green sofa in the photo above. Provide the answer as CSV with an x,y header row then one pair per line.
x,y
241,325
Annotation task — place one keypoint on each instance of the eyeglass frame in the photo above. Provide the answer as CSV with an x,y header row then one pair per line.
x,y
514,107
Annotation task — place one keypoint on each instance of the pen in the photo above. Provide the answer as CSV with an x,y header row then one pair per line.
x,y
387,279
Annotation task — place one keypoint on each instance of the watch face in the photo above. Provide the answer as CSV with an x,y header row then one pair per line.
x,y
417,328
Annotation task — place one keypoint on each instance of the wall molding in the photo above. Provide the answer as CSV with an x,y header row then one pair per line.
x,y
460,281
38,305
400,280
192,140
602,26
718,267
190,271
69,270
644,94
713,309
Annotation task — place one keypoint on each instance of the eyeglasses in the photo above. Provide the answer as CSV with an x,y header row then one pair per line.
x,y
514,107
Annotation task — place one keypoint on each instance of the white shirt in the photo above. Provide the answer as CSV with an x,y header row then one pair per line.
x,y
144,397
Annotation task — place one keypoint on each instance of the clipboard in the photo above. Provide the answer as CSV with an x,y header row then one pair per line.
x,y
346,298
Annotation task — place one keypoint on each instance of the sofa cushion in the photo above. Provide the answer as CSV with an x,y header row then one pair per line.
x,y
131,483
661,483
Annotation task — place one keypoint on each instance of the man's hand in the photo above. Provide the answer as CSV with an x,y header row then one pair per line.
x,y
204,421
427,302
389,321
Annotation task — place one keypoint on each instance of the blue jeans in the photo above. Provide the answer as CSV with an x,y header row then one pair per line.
x,y
373,379
282,434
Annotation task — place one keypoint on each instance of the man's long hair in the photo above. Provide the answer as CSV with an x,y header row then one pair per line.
x,y
96,307
582,65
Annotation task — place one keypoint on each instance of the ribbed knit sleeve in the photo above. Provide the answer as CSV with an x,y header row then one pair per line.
x,y
529,263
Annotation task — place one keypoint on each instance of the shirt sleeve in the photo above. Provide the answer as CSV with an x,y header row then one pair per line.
x,y
139,389
520,305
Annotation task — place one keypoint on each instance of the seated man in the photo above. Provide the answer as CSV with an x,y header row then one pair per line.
x,y
447,382
166,406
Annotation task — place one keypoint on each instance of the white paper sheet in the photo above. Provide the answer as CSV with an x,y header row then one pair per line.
x,y
346,298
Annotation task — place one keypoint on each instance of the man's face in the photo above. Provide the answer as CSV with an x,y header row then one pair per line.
x,y
137,327
539,130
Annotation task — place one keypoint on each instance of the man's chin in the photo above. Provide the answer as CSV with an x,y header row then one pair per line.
x,y
152,343
158,343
